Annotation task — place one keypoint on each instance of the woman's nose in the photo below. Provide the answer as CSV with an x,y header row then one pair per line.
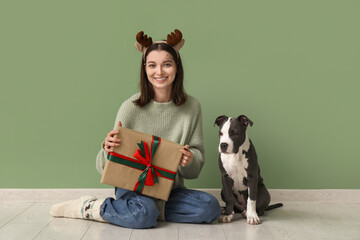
x,y
160,71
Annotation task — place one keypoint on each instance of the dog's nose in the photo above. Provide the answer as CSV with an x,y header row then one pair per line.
x,y
223,147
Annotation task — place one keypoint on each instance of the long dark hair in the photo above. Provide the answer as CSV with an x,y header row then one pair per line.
x,y
178,95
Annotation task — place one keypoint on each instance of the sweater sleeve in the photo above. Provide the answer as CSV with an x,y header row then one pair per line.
x,y
196,146
122,115
100,160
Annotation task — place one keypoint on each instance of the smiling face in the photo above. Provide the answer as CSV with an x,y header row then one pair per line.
x,y
160,69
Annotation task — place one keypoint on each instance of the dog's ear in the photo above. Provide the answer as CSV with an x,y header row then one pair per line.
x,y
245,120
220,120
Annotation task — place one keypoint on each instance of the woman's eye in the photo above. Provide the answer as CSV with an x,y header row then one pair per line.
x,y
151,65
167,65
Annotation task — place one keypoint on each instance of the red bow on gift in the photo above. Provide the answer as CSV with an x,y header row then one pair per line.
x,y
149,175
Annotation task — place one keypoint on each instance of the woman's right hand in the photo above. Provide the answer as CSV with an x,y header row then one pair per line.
x,y
111,140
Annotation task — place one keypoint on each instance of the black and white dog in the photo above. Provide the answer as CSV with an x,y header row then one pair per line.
x,y
243,188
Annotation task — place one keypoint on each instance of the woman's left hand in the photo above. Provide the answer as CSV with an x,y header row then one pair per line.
x,y
186,157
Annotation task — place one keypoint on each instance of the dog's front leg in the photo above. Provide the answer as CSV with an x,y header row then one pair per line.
x,y
251,215
228,198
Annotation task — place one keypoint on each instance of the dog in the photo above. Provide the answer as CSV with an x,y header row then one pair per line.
x,y
243,189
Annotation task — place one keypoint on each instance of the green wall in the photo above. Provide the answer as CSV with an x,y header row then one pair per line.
x,y
291,66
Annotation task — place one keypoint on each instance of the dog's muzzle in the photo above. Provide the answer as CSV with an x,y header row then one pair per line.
x,y
223,147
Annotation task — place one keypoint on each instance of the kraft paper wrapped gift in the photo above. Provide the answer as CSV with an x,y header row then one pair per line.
x,y
143,163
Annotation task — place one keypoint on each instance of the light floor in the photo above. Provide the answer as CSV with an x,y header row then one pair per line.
x,y
21,220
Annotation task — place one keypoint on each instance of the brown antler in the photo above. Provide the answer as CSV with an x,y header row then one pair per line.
x,y
143,40
174,38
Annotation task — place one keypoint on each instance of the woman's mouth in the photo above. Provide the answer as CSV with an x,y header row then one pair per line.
x,y
160,80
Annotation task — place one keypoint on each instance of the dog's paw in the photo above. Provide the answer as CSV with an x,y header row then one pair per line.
x,y
252,218
226,218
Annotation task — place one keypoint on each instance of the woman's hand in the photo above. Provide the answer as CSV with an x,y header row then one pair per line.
x,y
111,140
186,157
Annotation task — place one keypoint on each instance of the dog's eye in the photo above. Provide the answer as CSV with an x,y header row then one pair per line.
x,y
221,133
232,132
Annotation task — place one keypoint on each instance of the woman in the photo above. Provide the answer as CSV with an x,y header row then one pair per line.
x,y
162,108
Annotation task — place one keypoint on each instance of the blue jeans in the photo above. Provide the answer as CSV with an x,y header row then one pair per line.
x,y
131,210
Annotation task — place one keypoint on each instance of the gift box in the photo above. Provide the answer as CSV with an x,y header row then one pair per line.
x,y
142,163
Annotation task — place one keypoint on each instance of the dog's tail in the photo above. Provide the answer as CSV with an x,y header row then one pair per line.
x,y
273,206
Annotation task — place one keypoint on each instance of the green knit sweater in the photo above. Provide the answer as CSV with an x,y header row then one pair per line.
x,y
181,124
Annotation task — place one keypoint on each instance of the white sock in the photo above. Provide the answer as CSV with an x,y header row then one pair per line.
x,y
94,210
86,207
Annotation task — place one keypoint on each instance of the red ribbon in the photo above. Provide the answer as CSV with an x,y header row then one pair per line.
x,y
146,160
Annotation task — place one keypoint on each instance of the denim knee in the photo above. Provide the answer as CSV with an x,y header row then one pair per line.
x,y
147,217
140,212
211,209
191,206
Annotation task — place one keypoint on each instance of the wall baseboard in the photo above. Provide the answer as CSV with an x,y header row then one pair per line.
x,y
277,195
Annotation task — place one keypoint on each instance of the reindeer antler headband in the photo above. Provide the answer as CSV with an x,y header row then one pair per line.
x,y
175,40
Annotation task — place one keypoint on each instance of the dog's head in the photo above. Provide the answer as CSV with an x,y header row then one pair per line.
x,y
232,132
